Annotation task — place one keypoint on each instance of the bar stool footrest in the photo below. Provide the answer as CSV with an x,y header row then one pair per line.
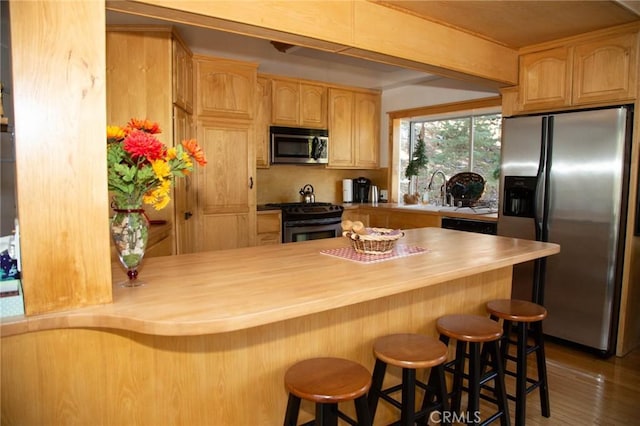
x,y
533,382
340,415
385,394
347,418
488,376
530,349
492,418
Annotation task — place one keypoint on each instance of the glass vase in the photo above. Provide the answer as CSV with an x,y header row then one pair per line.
x,y
129,231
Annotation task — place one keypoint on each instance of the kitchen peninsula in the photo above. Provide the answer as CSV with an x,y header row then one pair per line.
x,y
208,338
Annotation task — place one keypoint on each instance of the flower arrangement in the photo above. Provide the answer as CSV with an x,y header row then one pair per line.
x,y
141,168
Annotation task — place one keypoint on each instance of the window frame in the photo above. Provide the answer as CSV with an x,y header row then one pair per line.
x,y
471,107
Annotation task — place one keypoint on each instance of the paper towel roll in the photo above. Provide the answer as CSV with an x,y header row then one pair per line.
x,y
347,190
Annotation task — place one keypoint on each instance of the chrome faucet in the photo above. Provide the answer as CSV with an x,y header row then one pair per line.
x,y
443,195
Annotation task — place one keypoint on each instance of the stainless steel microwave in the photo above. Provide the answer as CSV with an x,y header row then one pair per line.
x,y
294,145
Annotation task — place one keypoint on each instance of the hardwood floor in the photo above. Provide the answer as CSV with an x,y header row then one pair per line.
x,y
585,389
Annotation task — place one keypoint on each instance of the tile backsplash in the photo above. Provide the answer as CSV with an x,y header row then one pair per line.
x,y
282,183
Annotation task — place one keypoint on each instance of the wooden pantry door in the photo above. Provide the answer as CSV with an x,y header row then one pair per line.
x,y
226,196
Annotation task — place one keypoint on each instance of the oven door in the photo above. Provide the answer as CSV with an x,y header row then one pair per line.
x,y
299,231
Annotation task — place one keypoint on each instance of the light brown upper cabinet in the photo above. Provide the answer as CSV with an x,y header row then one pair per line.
x,y
605,70
587,71
225,87
182,76
298,104
366,137
545,79
353,129
262,120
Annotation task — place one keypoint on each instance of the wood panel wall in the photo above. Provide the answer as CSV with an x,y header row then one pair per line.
x,y
58,60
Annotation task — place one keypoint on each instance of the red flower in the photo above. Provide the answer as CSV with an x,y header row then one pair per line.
x,y
194,150
141,144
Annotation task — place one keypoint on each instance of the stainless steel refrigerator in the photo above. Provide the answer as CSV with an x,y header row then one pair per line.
x,y
564,179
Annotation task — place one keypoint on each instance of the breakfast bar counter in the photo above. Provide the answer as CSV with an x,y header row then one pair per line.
x,y
208,337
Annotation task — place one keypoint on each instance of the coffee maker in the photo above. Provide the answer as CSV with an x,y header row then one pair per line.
x,y
361,187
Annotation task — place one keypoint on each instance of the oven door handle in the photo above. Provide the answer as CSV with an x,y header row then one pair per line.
x,y
311,222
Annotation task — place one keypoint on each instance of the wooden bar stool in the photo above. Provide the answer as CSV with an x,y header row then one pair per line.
x,y
327,382
410,352
526,315
474,331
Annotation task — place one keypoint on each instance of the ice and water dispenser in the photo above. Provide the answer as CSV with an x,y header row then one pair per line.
x,y
519,196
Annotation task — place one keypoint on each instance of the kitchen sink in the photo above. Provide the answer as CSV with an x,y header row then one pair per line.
x,y
429,207
468,210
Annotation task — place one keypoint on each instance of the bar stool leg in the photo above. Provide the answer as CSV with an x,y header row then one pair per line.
x,y
293,408
326,414
473,406
521,374
362,411
499,388
376,387
505,342
437,381
456,398
542,369
407,417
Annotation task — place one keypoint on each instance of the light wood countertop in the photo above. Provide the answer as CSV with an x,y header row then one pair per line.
x,y
227,290
461,212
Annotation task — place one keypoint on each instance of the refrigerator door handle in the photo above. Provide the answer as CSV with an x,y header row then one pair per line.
x,y
539,210
541,180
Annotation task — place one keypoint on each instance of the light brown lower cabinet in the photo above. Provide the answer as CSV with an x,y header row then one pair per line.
x,y
355,214
269,226
161,248
399,220
382,218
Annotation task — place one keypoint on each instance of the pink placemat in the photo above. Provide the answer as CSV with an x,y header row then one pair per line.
x,y
350,254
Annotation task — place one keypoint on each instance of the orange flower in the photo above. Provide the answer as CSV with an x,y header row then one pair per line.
x,y
195,151
144,125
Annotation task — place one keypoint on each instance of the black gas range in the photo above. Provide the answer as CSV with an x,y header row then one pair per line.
x,y
309,221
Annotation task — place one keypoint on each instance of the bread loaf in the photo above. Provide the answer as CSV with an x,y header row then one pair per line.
x,y
358,228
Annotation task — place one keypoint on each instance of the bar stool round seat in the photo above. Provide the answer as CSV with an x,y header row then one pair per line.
x,y
516,310
327,382
410,352
528,318
475,332
469,328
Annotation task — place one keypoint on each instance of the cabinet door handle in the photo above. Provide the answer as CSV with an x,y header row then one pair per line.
x,y
187,215
250,182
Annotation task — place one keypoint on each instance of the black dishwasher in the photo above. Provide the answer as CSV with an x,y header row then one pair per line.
x,y
470,225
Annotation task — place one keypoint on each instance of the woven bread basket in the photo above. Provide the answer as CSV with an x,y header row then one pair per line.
x,y
375,241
